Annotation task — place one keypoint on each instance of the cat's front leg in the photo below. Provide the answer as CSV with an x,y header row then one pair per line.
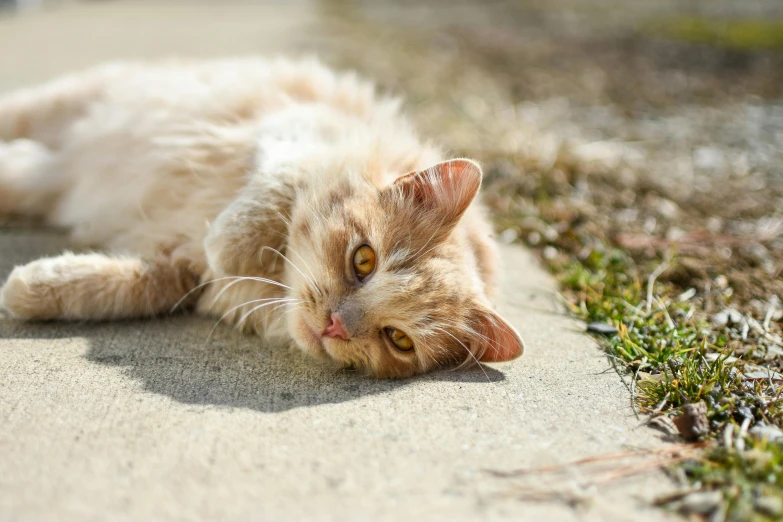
x,y
236,241
97,286
29,179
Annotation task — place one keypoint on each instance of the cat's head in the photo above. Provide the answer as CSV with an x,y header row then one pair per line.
x,y
387,281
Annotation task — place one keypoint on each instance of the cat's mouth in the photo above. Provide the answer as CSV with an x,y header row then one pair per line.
x,y
313,335
311,339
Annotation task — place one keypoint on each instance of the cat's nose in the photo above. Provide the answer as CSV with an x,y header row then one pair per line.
x,y
335,328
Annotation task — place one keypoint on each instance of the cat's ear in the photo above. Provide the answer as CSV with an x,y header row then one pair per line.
x,y
497,341
442,193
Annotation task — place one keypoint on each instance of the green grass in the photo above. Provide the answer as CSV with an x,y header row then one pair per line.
x,y
676,359
750,480
665,342
746,35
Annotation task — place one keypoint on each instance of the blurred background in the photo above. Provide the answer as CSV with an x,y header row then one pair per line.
x,y
640,123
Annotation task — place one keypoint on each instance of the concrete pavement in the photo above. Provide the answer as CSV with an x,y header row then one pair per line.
x,y
145,420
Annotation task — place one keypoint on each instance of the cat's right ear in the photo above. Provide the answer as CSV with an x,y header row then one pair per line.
x,y
442,193
497,340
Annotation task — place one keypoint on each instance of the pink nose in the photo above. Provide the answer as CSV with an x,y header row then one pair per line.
x,y
335,328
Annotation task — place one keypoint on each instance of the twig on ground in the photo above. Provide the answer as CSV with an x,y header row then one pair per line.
x,y
662,306
633,387
651,283
598,470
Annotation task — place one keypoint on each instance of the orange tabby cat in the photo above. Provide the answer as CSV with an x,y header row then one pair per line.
x,y
278,195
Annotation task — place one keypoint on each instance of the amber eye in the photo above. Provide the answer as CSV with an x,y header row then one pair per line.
x,y
399,339
364,261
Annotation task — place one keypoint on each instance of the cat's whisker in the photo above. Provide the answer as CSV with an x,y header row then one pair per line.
x,y
286,220
309,269
312,282
470,353
431,357
238,278
262,305
212,332
278,306
470,331
253,301
292,309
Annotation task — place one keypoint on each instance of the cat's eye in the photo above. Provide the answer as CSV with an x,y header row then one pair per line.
x,y
364,261
399,339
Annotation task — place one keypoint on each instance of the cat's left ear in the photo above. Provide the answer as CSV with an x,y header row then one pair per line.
x,y
497,341
442,193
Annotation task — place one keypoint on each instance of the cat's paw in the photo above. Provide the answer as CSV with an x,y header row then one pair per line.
x,y
28,292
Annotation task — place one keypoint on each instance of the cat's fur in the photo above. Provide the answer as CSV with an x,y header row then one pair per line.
x,y
224,185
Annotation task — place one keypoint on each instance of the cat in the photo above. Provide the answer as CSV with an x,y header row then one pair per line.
x,y
282,197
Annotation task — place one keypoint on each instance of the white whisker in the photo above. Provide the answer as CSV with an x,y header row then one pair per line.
x,y
286,220
298,306
273,301
262,305
470,331
238,278
312,282
307,266
467,350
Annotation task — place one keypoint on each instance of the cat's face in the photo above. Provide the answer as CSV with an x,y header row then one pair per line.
x,y
386,284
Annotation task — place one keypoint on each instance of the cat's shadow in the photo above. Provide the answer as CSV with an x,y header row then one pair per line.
x,y
172,357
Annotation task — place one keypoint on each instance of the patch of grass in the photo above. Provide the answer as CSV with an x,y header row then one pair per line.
x,y
732,34
676,359
750,480
666,341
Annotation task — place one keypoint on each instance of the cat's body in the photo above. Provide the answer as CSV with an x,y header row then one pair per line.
x,y
190,173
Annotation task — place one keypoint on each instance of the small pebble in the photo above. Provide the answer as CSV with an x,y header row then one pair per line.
x,y
771,433
533,238
508,236
745,412
549,252
709,158
667,208
693,422
550,234
602,328
770,506
701,503
721,318
714,224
